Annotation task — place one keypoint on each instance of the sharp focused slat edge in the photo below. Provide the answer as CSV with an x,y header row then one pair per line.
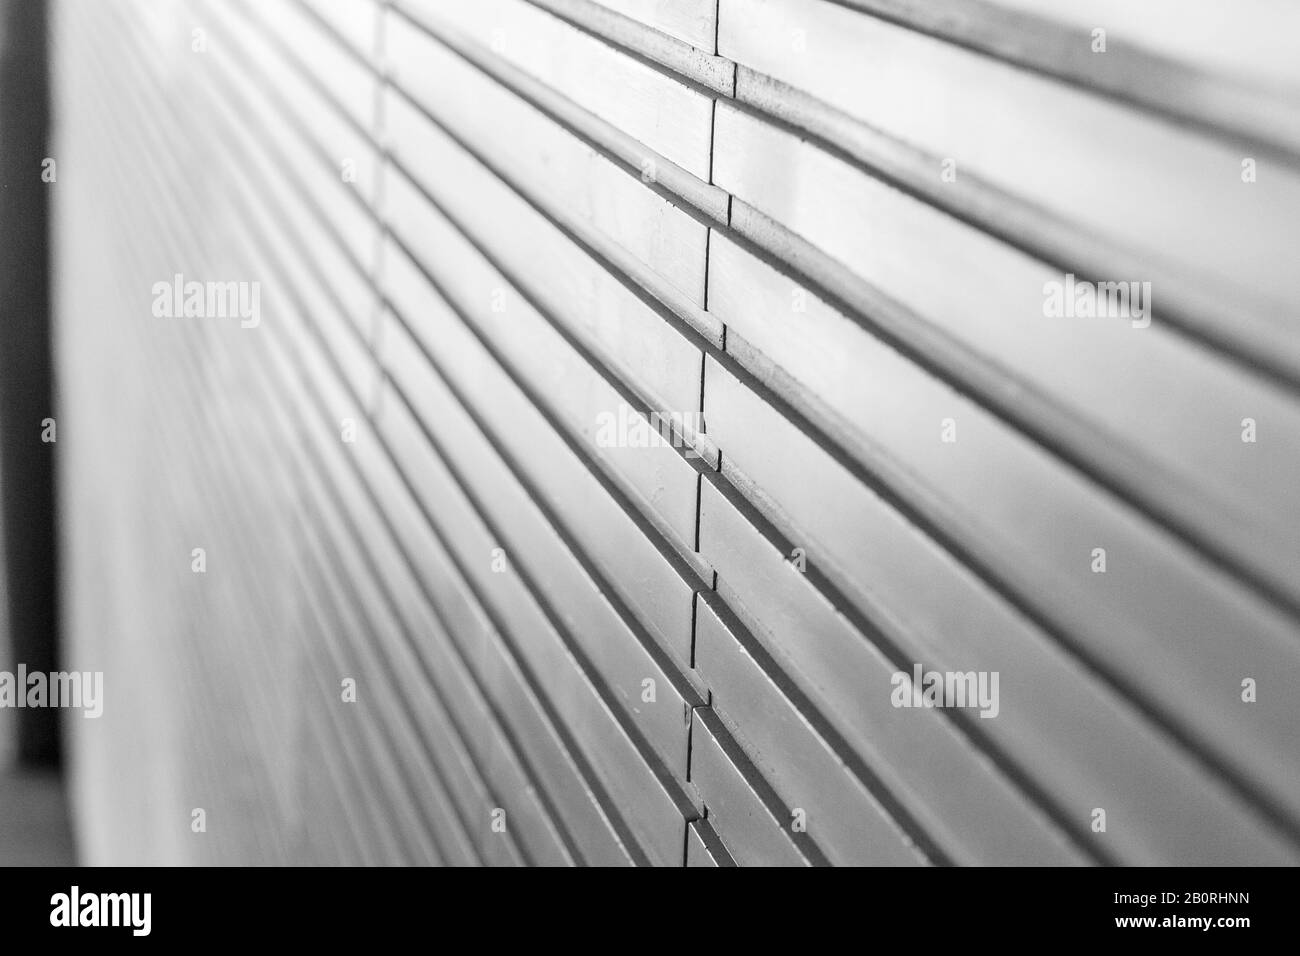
x,y
462,604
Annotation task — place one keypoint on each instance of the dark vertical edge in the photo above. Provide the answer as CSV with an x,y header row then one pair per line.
x,y
26,365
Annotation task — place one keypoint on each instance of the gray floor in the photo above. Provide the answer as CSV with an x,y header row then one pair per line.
x,y
34,828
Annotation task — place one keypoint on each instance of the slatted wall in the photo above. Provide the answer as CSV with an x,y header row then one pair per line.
x,y
817,238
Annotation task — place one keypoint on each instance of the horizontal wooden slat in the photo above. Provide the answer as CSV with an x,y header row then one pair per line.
x,y
1191,60
694,21
356,21
582,399
1094,368
661,599
664,114
930,770
1170,604
647,352
840,815
952,103
747,825
652,811
703,848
